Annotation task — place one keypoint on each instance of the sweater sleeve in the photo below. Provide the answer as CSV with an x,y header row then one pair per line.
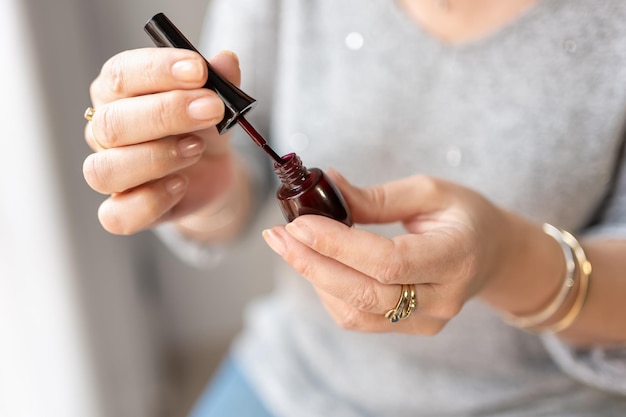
x,y
602,368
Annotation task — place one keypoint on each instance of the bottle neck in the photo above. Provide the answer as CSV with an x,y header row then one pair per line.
x,y
292,173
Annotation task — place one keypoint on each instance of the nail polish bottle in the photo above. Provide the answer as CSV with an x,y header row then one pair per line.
x,y
302,190
308,191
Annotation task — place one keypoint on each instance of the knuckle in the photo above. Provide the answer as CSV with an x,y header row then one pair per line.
x,y
430,186
377,197
162,110
349,319
470,266
397,265
394,267
114,71
364,298
327,244
300,264
106,130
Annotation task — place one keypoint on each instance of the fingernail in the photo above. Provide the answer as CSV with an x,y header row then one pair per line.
x,y
274,240
301,232
230,53
188,70
175,185
206,108
190,146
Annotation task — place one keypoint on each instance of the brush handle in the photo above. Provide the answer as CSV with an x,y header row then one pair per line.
x,y
165,34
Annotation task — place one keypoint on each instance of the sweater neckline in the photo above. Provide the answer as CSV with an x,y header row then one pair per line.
x,y
413,28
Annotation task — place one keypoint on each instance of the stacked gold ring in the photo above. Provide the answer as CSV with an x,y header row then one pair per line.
x,y
89,112
405,306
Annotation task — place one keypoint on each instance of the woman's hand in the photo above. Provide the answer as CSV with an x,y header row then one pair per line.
x,y
156,151
457,244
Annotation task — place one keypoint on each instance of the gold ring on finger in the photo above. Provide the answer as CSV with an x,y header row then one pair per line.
x,y
405,306
89,112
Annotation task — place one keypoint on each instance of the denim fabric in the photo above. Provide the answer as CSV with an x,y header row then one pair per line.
x,y
229,394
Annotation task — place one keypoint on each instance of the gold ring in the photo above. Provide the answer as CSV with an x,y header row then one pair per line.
x,y
405,306
89,112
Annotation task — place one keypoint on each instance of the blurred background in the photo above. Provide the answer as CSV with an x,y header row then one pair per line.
x,y
91,324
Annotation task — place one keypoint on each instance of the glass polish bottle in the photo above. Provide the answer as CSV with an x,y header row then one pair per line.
x,y
308,191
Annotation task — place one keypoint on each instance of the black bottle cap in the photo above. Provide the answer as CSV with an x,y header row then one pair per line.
x,y
164,34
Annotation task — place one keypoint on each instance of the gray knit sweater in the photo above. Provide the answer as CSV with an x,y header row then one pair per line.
x,y
532,116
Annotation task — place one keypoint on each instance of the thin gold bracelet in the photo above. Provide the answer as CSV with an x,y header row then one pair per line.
x,y
557,303
584,270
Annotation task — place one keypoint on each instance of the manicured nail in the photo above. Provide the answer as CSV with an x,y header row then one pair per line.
x,y
230,53
206,108
175,185
274,240
188,70
190,146
301,232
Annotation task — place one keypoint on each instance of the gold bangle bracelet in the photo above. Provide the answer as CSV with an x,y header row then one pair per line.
x,y
584,270
558,301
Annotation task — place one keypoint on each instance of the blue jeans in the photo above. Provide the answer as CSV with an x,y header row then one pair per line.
x,y
229,394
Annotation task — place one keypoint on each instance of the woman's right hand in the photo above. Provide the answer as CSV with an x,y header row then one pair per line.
x,y
156,150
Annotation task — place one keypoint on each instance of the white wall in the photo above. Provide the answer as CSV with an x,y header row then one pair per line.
x,y
93,324
45,364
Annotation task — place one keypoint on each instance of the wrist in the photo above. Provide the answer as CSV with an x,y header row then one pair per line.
x,y
532,270
222,219
538,295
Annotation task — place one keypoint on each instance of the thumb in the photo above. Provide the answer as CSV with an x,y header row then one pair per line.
x,y
392,201
227,64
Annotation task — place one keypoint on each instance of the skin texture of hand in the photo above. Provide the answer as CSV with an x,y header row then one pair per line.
x,y
454,246
458,245
156,150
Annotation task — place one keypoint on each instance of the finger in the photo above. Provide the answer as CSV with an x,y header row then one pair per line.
x,y
91,139
348,246
360,291
147,71
390,261
135,210
226,63
393,201
349,318
135,120
151,70
118,169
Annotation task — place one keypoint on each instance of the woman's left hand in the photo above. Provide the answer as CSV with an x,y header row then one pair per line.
x,y
457,244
